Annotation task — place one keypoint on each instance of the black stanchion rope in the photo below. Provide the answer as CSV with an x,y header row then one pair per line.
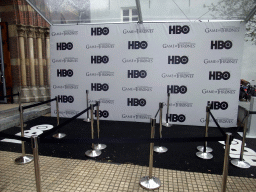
x,y
48,132
17,94
215,121
252,112
157,113
37,104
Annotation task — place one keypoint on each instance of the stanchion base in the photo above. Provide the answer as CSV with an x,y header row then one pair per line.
x,y
87,120
24,159
99,146
150,183
93,153
240,164
203,155
160,149
59,135
167,124
201,148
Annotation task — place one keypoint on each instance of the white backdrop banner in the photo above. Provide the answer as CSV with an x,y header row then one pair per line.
x,y
130,68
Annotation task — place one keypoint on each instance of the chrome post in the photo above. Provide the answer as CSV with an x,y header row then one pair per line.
x,y
240,162
58,135
160,149
99,146
23,159
87,105
34,143
204,151
167,124
93,152
151,182
225,165
19,100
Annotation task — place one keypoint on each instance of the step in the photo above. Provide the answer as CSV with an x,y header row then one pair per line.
x,y
10,117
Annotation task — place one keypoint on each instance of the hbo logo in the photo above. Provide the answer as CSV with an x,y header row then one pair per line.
x,y
177,29
218,75
137,45
64,73
99,31
65,99
175,89
137,74
221,44
98,59
177,60
64,46
99,87
104,113
136,102
217,105
176,118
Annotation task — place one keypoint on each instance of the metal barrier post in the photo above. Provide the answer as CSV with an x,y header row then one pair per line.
x,y
99,146
204,151
24,159
92,152
151,182
160,149
19,100
225,165
204,148
167,124
58,135
87,119
34,144
240,162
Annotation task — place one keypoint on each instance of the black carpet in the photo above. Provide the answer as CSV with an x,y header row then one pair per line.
x,y
180,155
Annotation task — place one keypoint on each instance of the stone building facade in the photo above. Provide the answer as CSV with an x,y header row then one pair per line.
x,y
28,69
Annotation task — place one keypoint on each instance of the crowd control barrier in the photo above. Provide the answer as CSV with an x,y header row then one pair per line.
x,y
93,152
12,95
160,149
87,119
99,146
24,159
148,182
167,124
58,135
204,151
241,163
151,182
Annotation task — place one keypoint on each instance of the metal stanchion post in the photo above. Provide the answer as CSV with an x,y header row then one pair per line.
x,y
87,105
225,165
205,148
150,182
240,162
24,159
204,151
92,152
160,149
58,135
167,124
34,144
99,146
19,100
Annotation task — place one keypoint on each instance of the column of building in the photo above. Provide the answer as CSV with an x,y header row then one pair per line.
x,y
24,89
31,68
